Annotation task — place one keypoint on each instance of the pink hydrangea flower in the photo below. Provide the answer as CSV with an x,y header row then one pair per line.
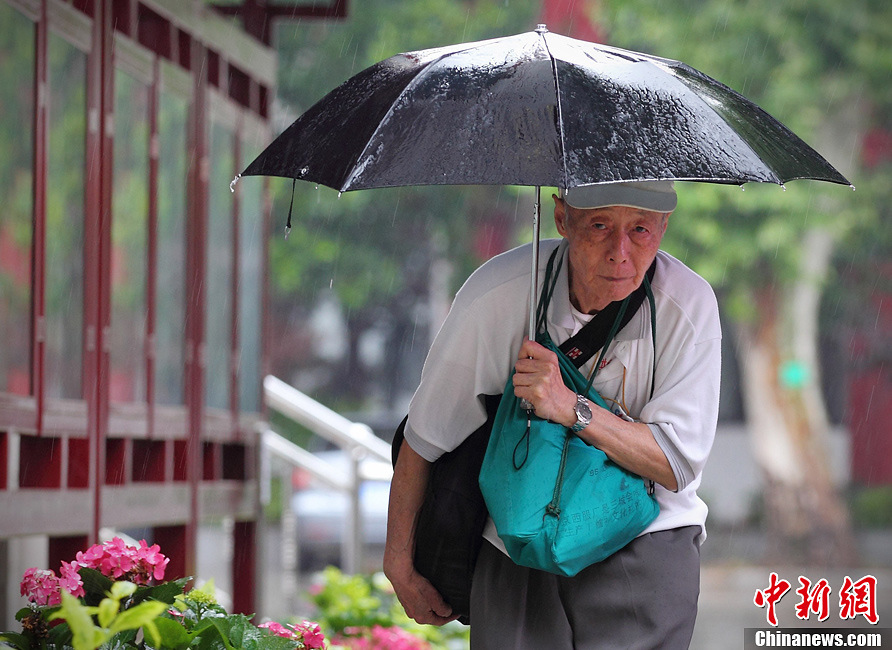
x,y
396,638
307,633
311,635
152,560
380,638
279,630
115,559
41,587
70,579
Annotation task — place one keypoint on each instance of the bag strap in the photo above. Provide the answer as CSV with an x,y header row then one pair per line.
x,y
586,342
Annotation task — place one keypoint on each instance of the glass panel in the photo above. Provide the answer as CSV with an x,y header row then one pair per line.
x,y
67,126
218,323
250,286
16,213
130,202
170,316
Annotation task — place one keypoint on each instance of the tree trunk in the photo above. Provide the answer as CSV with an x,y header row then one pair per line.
x,y
806,518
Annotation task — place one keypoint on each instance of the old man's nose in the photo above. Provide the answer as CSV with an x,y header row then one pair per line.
x,y
619,248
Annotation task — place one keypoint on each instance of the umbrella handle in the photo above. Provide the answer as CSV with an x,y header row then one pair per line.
x,y
534,281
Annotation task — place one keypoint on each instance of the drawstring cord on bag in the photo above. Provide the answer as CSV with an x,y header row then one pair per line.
x,y
554,508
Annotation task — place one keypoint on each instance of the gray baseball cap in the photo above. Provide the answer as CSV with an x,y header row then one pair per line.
x,y
657,196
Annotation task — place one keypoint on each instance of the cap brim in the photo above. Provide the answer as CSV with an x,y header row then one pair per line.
x,y
656,196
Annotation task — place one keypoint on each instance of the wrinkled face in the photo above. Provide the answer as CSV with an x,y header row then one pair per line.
x,y
610,250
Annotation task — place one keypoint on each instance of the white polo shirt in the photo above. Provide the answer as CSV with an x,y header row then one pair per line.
x,y
474,353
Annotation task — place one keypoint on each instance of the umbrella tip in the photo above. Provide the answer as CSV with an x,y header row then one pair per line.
x,y
234,181
541,28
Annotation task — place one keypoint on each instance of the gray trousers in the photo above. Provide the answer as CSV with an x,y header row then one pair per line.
x,y
643,596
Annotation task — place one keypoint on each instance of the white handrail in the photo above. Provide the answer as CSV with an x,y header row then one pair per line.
x,y
320,419
369,456
322,471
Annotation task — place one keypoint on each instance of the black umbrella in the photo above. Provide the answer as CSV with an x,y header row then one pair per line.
x,y
535,109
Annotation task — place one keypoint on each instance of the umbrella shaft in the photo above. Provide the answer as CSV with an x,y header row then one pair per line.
x,y
534,287
534,276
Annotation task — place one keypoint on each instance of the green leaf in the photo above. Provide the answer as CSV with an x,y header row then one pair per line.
x,y
85,635
172,634
108,608
60,635
166,592
122,589
150,630
96,585
138,616
13,640
122,641
23,612
213,637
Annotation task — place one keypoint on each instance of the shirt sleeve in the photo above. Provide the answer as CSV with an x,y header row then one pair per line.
x,y
465,363
683,412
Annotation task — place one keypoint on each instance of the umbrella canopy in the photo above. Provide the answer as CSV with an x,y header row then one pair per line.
x,y
535,109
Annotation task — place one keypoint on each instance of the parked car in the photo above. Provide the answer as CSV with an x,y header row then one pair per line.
x,y
322,513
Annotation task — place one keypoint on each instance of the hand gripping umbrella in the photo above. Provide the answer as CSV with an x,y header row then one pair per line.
x,y
535,109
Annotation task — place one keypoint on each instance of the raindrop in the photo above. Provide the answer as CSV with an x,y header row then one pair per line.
x,y
317,186
339,194
783,187
742,188
238,176
287,232
853,187
304,171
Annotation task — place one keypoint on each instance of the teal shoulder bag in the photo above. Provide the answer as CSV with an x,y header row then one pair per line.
x,y
558,504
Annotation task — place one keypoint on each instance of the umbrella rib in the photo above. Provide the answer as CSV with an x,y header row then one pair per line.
x,y
559,110
422,72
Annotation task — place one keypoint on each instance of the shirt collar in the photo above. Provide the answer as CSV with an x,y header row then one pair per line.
x,y
560,313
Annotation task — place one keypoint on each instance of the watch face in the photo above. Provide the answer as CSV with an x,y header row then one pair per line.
x,y
583,411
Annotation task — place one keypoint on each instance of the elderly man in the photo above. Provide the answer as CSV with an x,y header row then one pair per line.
x,y
662,382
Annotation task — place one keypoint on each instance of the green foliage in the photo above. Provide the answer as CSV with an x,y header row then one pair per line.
x,y
89,633
347,602
872,507
818,67
119,615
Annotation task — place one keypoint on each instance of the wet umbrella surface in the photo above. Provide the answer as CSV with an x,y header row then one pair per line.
x,y
535,109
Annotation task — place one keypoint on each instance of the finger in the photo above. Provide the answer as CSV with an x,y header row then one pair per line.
x,y
527,366
531,349
427,607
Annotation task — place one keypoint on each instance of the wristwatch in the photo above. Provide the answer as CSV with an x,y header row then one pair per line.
x,y
583,414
